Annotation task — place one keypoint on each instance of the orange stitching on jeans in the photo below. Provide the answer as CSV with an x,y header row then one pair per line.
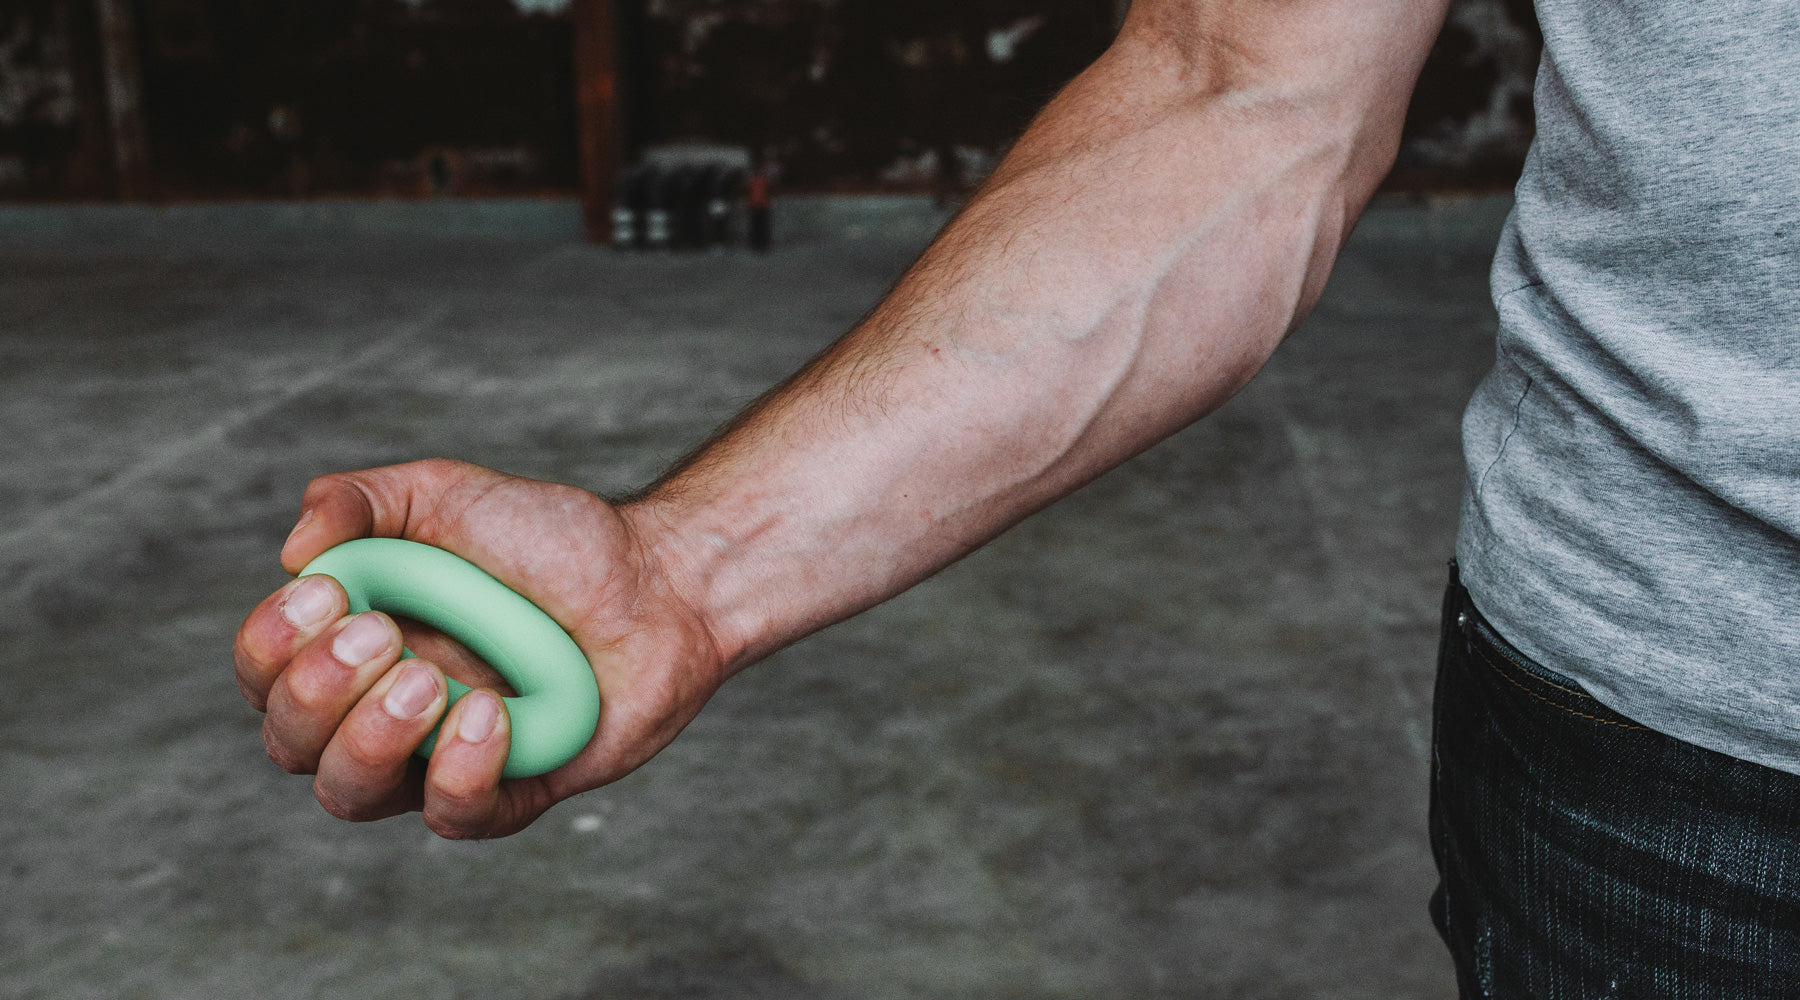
x,y
1508,678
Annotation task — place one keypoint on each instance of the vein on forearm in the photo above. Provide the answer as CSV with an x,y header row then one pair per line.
x,y
1093,298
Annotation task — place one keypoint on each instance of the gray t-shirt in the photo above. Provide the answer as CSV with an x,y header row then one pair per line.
x,y
1632,517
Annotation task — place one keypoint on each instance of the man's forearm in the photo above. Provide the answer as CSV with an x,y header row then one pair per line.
x,y
1133,261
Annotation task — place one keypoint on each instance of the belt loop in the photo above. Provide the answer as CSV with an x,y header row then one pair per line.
x,y
1464,622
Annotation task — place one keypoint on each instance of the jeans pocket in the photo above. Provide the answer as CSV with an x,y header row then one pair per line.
x,y
1490,653
1582,855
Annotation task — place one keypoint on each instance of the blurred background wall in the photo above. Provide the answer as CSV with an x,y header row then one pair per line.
x,y
201,99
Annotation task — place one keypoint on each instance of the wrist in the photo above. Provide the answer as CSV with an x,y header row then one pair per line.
x,y
685,564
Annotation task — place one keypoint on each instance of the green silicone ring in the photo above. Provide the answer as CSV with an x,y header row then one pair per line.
x,y
559,702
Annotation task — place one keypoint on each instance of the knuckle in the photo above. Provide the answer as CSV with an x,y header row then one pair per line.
x,y
345,808
442,468
254,667
360,754
256,698
284,758
459,809
459,796
332,803
321,485
309,692
248,678
241,658
452,828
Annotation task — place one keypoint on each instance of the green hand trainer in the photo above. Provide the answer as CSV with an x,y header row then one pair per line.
x,y
559,702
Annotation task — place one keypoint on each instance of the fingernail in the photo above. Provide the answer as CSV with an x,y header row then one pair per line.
x,y
308,603
478,717
306,517
411,694
362,640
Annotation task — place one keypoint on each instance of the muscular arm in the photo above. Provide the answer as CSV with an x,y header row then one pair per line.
x,y
1133,261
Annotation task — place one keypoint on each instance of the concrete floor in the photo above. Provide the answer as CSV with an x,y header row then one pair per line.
x,y
1167,739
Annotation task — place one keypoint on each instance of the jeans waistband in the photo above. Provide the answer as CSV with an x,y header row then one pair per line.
x,y
1491,650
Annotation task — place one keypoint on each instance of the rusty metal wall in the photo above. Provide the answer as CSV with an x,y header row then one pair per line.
x,y
863,93
1470,122
52,127
404,97
298,97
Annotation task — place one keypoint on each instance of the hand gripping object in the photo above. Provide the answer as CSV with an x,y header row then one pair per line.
x,y
559,702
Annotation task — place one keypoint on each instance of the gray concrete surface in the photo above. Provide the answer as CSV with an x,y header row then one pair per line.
x,y
802,218
1166,739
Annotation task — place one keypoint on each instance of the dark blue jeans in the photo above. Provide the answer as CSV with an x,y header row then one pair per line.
x,y
1582,855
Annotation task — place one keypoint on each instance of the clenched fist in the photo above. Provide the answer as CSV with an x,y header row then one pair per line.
x,y
341,705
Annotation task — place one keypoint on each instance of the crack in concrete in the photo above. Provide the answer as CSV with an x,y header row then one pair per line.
x,y
168,454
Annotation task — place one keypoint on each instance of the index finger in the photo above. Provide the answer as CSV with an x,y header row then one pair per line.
x,y
279,627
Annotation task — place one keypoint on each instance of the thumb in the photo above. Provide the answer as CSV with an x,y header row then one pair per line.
x,y
386,502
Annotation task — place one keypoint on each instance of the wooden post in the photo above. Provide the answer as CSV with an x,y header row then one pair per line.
x,y
599,124
124,97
